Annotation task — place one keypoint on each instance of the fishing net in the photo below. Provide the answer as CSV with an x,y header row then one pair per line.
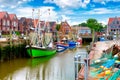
x,y
115,75
102,60
103,66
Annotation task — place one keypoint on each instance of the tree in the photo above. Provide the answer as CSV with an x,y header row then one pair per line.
x,y
58,27
83,24
99,27
94,26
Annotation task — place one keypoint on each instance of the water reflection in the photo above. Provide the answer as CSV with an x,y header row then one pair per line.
x,y
56,67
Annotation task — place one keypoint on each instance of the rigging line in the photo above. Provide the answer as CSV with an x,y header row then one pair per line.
x,y
46,41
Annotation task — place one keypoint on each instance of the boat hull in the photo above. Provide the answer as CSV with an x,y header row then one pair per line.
x,y
61,47
39,52
72,44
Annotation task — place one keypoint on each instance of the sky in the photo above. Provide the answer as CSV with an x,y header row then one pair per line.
x,y
72,11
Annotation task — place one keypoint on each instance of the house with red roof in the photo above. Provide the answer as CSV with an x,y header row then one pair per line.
x,y
65,30
25,25
50,26
4,22
13,22
22,24
46,26
114,25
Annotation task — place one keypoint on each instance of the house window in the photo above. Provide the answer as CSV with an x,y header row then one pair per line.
x,y
4,22
14,24
113,22
67,31
117,22
8,23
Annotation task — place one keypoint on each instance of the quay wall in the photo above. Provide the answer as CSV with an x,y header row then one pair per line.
x,y
13,49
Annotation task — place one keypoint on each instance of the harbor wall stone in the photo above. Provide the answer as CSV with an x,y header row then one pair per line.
x,y
13,49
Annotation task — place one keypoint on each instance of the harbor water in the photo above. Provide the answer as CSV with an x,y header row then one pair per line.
x,y
56,67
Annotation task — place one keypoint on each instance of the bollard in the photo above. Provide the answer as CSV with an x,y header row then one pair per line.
x,y
77,60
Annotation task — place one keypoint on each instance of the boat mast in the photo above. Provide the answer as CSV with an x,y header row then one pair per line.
x,y
39,33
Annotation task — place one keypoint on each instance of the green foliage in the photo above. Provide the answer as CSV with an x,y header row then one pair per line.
x,y
94,25
83,24
99,27
58,27
17,32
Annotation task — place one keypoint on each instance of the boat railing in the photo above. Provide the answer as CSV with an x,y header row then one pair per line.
x,y
81,64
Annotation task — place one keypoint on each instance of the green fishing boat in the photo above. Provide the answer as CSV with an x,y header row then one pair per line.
x,y
41,42
35,51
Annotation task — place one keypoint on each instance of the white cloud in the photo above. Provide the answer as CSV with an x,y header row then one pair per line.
x,y
24,12
2,6
12,3
73,22
104,1
69,3
64,17
44,13
102,11
104,22
48,13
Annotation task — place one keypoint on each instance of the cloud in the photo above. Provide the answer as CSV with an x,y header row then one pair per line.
x,y
44,13
69,3
12,3
105,1
102,11
48,13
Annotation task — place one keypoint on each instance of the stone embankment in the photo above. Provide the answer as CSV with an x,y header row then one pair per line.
x,y
12,49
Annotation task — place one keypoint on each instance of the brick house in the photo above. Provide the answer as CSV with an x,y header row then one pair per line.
x,y
13,22
4,22
46,26
51,27
21,23
25,24
113,25
64,30
30,24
